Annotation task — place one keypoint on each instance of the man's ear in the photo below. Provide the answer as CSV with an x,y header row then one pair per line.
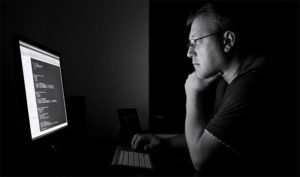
x,y
229,40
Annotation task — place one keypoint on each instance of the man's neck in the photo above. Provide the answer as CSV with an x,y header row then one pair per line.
x,y
232,70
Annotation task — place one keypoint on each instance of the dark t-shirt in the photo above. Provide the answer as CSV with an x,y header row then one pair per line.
x,y
242,113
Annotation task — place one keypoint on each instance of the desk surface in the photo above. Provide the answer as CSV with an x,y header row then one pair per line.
x,y
95,160
90,158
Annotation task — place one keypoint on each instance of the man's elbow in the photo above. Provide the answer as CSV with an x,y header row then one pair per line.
x,y
203,151
196,166
198,162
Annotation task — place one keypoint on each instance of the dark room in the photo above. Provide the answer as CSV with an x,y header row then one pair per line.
x,y
149,88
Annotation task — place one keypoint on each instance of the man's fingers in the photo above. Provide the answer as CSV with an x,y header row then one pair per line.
x,y
133,140
148,147
137,141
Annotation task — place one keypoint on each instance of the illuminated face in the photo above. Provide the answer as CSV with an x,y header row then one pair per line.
x,y
207,53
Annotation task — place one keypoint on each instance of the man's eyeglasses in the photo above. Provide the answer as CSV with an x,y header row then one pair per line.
x,y
194,43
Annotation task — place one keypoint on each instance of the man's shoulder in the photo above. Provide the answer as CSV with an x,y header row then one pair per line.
x,y
250,84
254,71
254,63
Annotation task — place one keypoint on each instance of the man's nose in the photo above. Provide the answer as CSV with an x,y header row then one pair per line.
x,y
190,52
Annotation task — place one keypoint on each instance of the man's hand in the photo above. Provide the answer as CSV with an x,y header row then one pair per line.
x,y
147,141
195,86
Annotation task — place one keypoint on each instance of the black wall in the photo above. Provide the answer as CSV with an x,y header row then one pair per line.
x,y
104,49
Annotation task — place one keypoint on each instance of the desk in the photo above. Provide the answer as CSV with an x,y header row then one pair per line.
x,y
93,158
173,162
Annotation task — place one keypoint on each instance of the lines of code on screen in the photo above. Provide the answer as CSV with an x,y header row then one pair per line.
x,y
49,94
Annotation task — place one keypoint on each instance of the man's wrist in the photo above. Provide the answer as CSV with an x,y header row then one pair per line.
x,y
194,95
193,100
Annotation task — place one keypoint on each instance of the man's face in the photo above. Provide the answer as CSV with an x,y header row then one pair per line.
x,y
207,54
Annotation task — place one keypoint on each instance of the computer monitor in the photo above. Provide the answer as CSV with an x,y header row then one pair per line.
x,y
41,70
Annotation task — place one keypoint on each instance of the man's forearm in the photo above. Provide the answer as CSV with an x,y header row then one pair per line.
x,y
195,119
177,141
194,125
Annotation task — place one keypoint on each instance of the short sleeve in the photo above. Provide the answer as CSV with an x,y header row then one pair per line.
x,y
238,113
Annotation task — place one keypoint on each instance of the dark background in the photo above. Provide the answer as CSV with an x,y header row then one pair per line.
x,y
118,54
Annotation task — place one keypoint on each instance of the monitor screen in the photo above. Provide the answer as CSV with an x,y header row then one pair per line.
x,y
43,88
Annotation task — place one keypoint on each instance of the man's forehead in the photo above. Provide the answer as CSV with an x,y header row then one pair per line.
x,y
202,25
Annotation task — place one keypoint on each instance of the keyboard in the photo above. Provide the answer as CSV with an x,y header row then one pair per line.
x,y
126,156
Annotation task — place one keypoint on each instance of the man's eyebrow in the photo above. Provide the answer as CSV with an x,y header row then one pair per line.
x,y
192,37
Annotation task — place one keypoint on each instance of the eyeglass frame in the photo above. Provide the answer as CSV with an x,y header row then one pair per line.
x,y
193,45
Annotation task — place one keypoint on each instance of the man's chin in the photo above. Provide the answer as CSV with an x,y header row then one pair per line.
x,y
200,75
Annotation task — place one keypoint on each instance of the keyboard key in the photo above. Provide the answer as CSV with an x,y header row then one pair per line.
x,y
130,157
142,162
136,159
125,158
121,157
147,161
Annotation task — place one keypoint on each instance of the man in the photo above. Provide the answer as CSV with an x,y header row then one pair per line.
x,y
222,140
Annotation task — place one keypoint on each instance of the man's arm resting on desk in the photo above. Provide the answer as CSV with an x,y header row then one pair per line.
x,y
173,140
151,141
